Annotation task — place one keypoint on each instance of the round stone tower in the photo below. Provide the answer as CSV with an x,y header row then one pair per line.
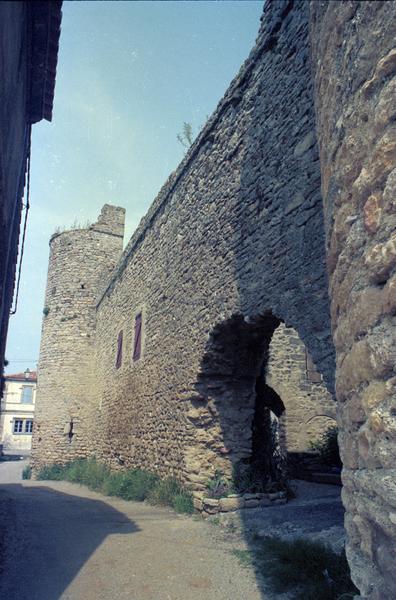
x,y
80,263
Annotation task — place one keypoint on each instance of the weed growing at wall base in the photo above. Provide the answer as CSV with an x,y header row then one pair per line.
x,y
133,484
308,570
170,492
27,472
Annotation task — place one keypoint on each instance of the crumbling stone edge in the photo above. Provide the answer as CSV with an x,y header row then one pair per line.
x,y
233,502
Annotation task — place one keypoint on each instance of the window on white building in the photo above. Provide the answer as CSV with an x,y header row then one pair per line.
x,y
27,394
18,426
28,426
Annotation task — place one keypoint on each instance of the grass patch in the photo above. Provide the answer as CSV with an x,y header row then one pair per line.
x,y
133,484
183,503
306,568
244,556
27,472
169,492
54,472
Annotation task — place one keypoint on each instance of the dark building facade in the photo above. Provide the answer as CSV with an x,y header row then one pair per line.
x,y
29,37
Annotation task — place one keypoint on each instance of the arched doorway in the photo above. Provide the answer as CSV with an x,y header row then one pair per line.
x,y
252,384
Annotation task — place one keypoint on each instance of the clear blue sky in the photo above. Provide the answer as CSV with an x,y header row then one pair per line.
x,y
129,74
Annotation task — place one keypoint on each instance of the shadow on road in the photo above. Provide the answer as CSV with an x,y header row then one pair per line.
x,y
48,536
12,457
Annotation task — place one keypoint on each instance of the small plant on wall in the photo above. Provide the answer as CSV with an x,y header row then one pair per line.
x,y
186,137
46,311
328,449
218,486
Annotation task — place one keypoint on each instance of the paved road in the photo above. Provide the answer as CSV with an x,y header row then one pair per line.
x,y
64,542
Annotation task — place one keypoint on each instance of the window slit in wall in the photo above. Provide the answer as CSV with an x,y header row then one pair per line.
x,y
119,350
137,343
71,433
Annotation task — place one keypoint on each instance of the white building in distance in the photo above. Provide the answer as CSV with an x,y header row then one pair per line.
x,y
17,412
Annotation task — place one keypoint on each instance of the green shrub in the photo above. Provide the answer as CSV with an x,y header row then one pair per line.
x,y
183,503
169,492
134,484
53,472
248,479
310,570
88,472
218,486
27,472
113,485
328,449
164,492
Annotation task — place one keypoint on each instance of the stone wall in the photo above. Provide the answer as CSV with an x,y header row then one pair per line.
x,y
232,246
80,260
355,87
309,407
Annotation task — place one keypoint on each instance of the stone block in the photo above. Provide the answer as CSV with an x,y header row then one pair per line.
x,y
198,504
252,503
210,505
374,395
210,501
372,213
389,297
276,495
365,310
376,422
355,369
230,504
305,144
265,502
381,258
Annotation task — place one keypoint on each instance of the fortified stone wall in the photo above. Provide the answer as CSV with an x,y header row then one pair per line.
x,y
80,260
354,55
232,246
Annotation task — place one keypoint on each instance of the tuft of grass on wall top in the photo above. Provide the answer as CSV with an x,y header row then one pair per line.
x,y
133,484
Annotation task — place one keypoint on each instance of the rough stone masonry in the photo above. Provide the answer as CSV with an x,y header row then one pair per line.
x,y
154,356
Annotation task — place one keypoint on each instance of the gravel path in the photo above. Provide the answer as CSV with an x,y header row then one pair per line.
x,y
316,513
64,542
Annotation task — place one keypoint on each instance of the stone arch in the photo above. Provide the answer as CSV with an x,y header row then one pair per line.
x,y
236,370
316,426
221,413
291,372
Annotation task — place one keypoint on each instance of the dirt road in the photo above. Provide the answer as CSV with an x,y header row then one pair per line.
x,y
61,541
